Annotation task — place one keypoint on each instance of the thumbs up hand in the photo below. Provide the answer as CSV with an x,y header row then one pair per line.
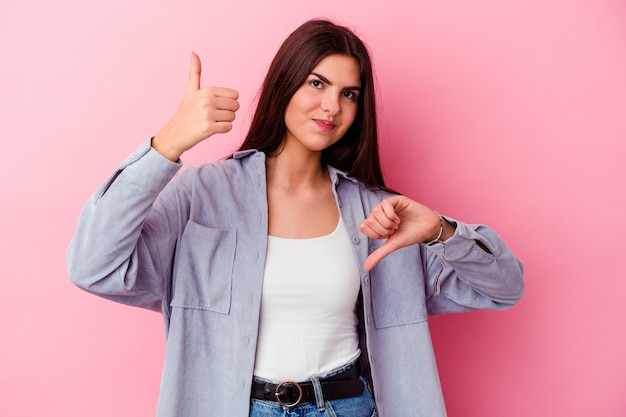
x,y
202,113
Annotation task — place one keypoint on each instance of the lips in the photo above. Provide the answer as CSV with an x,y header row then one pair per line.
x,y
325,125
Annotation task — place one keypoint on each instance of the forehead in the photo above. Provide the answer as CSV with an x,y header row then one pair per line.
x,y
339,69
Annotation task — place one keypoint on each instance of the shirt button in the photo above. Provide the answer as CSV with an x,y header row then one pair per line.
x,y
367,280
355,240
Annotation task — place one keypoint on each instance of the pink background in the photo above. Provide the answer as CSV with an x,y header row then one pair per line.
x,y
510,113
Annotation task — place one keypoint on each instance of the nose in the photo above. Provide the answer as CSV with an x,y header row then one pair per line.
x,y
330,104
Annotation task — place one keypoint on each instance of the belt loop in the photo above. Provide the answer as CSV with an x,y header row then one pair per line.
x,y
319,396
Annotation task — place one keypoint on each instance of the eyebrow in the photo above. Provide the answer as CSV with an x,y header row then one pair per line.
x,y
327,81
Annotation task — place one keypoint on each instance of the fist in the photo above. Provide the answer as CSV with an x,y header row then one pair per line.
x,y
401,222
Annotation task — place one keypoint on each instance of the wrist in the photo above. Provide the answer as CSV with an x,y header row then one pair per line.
x,y
162,146
437,237
444,232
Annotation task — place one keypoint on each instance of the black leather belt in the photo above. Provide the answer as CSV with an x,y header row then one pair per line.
x,y
347,384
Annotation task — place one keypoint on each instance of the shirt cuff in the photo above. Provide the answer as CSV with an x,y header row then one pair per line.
x,y
147,168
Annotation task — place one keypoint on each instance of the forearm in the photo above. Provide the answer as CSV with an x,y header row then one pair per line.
x,y
109,233
480,271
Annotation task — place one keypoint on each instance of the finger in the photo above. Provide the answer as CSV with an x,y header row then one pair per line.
x,y
193,84
385,213
367,231
375,257
380,219
223,92
380,222
223,116
222,127
209,100
221,103
375,231
389,208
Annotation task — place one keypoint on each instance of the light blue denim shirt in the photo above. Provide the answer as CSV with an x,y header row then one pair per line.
x,y
193,245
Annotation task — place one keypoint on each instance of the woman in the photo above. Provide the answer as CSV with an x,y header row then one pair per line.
x,y
291,280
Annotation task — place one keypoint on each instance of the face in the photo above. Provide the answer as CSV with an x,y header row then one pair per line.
x,y
323,108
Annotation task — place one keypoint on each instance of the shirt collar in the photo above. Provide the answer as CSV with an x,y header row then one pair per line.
x,y
335,173
247,152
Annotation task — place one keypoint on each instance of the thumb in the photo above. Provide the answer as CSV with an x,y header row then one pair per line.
x,y
194,74
376,256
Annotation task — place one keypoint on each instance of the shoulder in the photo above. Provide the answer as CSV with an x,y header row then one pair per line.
x,y
243,163
221,178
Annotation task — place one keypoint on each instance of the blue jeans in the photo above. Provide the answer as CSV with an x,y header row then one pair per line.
x,y
361,406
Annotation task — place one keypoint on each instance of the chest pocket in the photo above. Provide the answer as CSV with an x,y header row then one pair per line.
x,y
398,294
203,269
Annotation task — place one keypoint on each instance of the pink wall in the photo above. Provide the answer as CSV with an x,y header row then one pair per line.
x,y
509,113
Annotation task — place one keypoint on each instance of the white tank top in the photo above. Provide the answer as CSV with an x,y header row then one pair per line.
x,y
308,307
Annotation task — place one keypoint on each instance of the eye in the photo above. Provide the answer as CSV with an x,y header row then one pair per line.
x,y
316,84
350,95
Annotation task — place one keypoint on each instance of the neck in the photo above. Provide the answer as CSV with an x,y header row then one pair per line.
x,y
292,171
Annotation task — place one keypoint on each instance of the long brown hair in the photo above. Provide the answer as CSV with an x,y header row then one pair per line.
x,y
357,151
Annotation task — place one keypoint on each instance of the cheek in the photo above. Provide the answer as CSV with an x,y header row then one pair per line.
x,y
350,114
299,106
308,102
292,112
